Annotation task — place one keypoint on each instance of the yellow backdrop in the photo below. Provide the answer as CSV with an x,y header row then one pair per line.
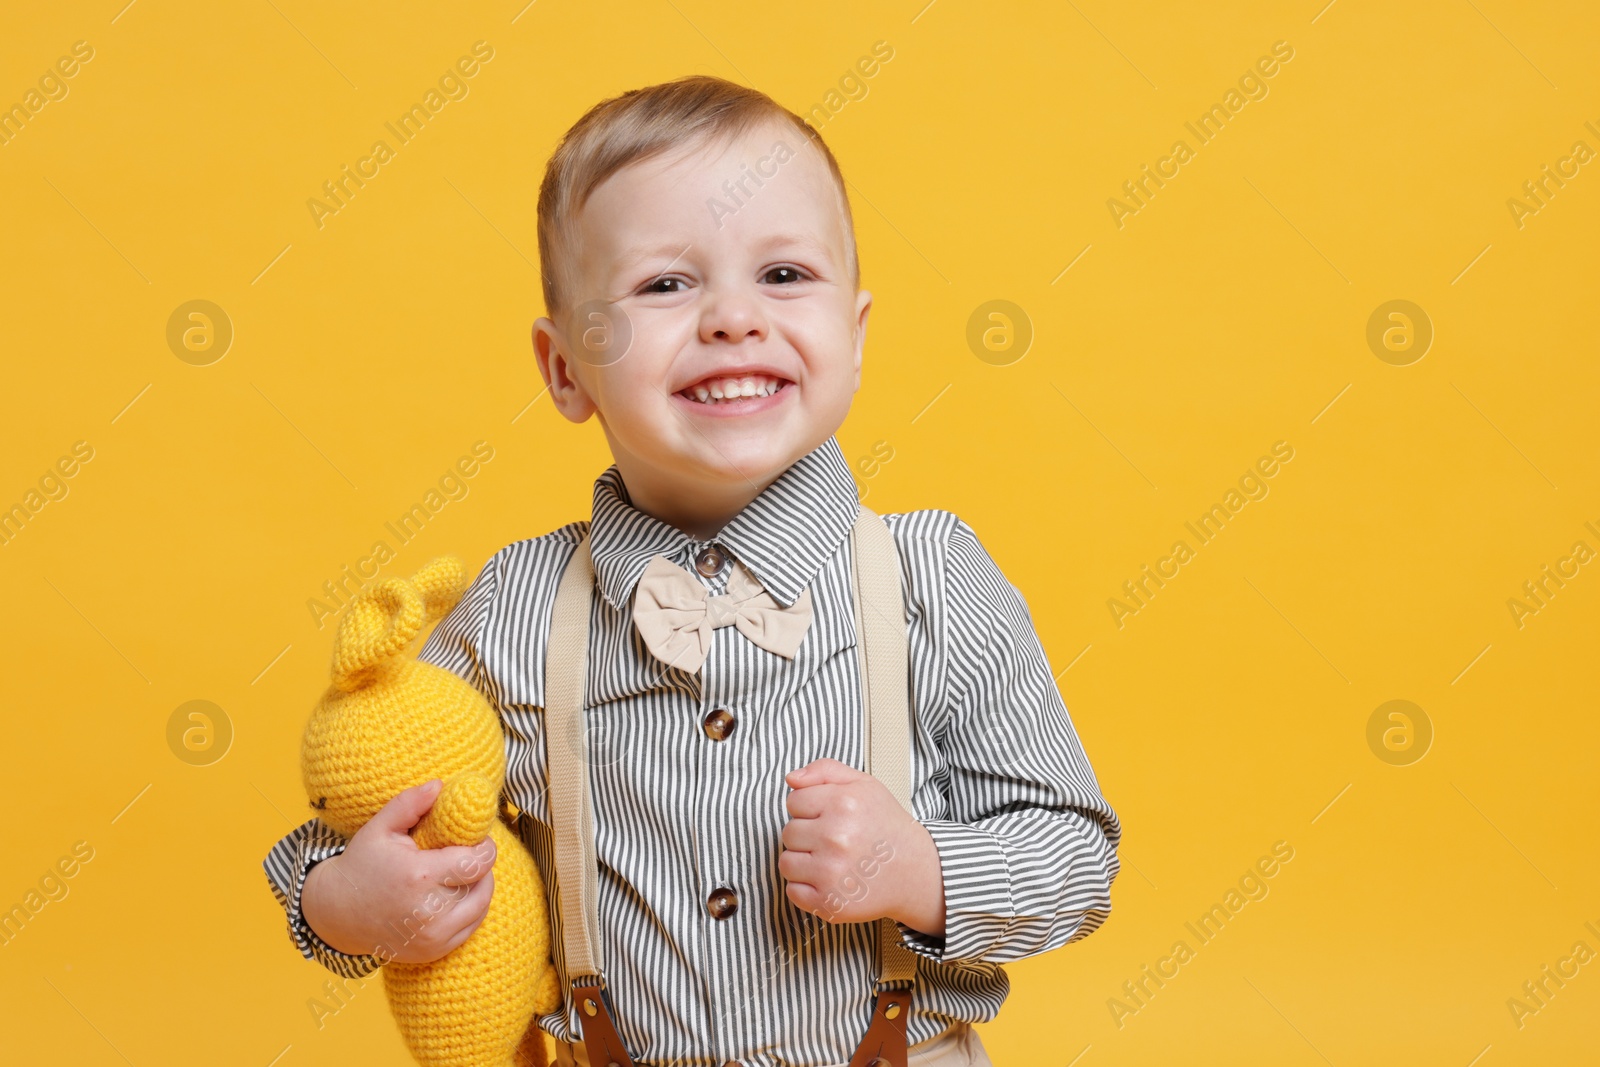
x,y
1339,344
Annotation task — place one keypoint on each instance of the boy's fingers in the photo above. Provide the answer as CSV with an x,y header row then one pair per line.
x,y
407,807
462,934
800,835
461,864
820,771
797,869
473,907
810,802
807,898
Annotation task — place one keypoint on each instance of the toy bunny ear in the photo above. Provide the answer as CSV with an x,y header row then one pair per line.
x,y
383,620
441,584
378,626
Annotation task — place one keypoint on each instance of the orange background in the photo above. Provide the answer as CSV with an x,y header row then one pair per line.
x,y
1167,355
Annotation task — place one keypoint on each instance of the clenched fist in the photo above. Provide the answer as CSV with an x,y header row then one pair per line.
x,y
852,854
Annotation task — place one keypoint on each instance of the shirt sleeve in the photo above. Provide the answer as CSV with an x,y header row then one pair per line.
x,y
1029,850
287,864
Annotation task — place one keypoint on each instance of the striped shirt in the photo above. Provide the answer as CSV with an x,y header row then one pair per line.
x,y
1027,844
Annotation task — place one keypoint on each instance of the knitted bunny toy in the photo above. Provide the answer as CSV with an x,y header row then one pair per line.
x,y
387,723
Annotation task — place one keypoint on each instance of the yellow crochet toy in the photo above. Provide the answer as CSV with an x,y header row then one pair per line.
x,y
387,723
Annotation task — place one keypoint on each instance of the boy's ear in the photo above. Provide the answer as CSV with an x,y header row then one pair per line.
x,y
566,391
863,306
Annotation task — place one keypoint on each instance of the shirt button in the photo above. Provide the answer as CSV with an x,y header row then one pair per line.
x,y
719,724
710,561
722,903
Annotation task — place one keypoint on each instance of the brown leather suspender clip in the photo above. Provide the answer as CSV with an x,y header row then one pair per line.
x,y
885,1041
600,1039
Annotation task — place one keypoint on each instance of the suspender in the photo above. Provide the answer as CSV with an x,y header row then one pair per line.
x,y
572,808
880,616
880,619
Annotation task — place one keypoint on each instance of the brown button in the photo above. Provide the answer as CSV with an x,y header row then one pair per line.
x,y
710,561
722,903
719,724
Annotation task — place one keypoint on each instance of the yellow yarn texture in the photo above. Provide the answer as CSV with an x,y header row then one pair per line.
x,y
387,723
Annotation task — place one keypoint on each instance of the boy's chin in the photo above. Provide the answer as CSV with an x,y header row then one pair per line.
x,y
744,460
754,454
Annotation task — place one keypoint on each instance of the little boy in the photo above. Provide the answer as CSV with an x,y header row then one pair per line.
x,y
704,302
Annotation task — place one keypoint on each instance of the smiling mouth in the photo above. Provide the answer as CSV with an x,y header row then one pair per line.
x,y
717,391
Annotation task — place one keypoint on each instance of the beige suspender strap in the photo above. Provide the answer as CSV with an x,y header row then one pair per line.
x,y
572,807
880,616
571,813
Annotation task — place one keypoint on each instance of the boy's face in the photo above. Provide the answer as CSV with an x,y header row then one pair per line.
x,y
723,288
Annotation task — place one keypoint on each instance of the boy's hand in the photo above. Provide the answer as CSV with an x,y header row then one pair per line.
x,y
853,854
385,895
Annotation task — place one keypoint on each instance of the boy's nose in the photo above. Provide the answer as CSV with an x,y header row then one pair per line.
x,y
732,317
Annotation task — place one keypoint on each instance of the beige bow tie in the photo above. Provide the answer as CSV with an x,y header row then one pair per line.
x,y
675,615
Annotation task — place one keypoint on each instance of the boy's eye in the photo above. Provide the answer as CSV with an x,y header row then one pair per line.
x,y
667,283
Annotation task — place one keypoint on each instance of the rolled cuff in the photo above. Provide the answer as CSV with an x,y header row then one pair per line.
x,y
306,855
977,895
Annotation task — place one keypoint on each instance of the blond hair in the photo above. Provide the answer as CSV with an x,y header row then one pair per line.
x,y
640,124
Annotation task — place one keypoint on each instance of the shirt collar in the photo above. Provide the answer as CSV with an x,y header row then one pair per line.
x,y
783,536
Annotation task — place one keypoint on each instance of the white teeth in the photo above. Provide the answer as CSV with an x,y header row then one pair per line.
x,y
714,389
